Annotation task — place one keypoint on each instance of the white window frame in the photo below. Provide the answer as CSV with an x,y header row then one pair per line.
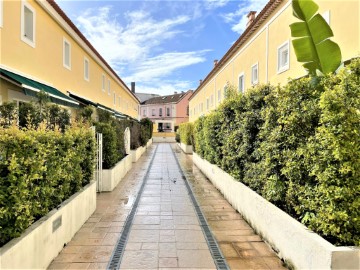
x,y
253,81
86,76
103,82
1,13
65,41
242,88
119,100
212,100
114,98
109,87
219,95
207,104
153,112
280,49
23,37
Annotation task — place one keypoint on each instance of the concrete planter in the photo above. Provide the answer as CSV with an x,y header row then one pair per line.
x,y
295,243
42,241
149,143
187,149
136,154
112,177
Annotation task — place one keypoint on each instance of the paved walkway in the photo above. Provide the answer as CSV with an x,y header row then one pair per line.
x,y
165,232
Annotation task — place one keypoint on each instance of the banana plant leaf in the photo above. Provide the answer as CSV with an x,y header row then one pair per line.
x,y
312,44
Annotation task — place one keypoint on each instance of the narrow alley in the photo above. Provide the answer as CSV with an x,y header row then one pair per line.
x,y
165,214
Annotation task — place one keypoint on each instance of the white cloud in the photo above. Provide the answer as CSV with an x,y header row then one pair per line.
x,y
136,48
238,19
212,4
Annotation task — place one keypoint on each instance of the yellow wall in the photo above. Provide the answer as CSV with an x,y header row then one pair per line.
x,y
344,21
45,61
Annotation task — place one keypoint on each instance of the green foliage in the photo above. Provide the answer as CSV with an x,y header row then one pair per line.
x,y
177,136
146,130
186,133
85,114
8,114
312,44
38,170
298,146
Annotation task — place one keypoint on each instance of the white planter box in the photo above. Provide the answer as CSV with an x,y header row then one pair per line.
x,y
40,243
149,143
112,177
296,244
187,149
136,154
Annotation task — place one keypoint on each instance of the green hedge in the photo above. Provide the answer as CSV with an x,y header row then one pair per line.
x,y
186,133
38,170
298,146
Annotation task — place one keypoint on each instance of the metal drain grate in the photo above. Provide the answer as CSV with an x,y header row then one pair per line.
x,y
118,252
218,257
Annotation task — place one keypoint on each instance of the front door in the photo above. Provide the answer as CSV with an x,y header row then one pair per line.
x,y
160,127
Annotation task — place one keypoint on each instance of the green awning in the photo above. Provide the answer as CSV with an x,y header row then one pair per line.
x,y
82,99
31,88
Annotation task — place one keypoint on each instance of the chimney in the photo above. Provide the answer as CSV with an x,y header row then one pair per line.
x,y
133,87
175,92
215,62
200,81
251,17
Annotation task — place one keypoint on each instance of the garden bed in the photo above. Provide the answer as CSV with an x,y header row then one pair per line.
x,y
112,177
297,245
187,149
43,240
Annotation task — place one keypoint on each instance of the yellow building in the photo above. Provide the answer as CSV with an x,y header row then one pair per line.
x,y
264,53
41,49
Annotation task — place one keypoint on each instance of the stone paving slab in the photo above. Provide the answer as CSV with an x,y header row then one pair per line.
x,y
241,246
165,233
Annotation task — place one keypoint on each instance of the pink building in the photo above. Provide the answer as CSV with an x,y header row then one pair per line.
x,y
167,112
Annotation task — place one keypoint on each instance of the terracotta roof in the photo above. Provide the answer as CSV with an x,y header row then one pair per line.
x,y
175,98
77,31
263,15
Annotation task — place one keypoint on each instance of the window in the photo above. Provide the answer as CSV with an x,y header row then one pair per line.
x,y
241,83
103,82
114,98
207,104
109,87
254,74
283,57
201,107
86,70
27,24
119,100
153,112
144,112
212,100
1,13
66,54
168,125
219,96
160,112
167,111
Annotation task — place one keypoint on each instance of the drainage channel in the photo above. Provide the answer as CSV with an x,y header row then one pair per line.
x,y
118,252
216,253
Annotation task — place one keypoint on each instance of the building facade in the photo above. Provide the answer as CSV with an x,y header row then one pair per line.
x,y
264,53
167,112
41,49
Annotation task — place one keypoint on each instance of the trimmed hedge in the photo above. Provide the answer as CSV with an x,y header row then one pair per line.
x,y
38,170
298,146
186,131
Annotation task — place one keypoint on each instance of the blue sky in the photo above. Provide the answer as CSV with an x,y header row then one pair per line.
x,y
164,46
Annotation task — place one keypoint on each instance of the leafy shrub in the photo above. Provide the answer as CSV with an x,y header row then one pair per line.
x,y
38,170
146,130
186,133
298,146
111,155
177,136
